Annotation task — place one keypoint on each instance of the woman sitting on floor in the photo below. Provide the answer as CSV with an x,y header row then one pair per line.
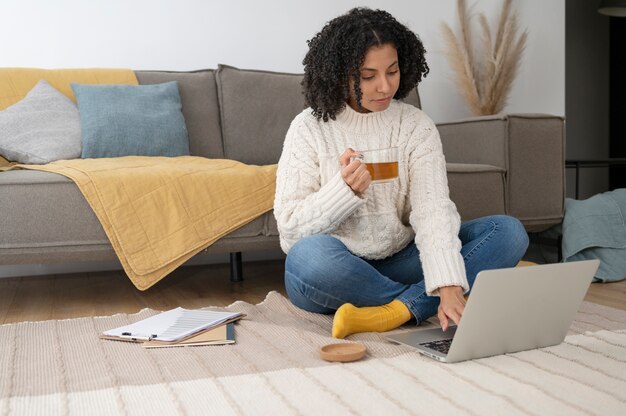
x,y
376,254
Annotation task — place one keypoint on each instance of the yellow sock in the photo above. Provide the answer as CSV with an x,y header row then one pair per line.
x,y
349,319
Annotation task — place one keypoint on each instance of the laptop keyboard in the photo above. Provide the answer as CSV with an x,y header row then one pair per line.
x,y
443,346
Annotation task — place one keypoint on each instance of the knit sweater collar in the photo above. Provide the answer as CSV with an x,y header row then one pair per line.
x,y
376,121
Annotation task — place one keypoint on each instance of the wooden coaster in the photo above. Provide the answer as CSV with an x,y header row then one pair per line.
x,y
344,352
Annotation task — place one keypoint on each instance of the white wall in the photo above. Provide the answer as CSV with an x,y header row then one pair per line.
x,y
271,34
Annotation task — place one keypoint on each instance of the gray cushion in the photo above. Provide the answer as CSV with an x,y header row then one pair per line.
x,y
41,128
477,190
62,226
535,173
477,140
47,210
198,94
257,108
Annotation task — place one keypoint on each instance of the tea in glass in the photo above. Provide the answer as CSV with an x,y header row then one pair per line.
x,y
382,164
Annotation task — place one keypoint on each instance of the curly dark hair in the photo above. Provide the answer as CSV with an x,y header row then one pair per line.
x,y
338,51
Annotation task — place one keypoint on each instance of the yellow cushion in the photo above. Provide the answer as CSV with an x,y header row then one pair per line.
x,y
15,83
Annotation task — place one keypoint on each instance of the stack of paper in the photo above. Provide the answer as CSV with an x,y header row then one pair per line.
x,y
179,327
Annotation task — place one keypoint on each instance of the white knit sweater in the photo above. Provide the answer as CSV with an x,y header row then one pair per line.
x,y
312,197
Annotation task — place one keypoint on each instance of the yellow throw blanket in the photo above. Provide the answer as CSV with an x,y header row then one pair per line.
x,y
158,212
4,164
15,83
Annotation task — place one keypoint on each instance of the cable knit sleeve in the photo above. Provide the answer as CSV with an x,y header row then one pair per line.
x,y
302,205
434,216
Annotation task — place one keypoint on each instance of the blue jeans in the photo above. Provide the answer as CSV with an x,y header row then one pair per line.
x,y
321,274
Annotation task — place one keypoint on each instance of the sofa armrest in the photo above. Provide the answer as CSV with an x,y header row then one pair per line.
x,y
530,147
479,140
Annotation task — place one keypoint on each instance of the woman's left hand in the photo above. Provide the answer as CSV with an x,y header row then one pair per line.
x,y
451,305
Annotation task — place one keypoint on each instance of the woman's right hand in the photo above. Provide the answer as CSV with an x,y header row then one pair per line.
x,y
354,172
451,305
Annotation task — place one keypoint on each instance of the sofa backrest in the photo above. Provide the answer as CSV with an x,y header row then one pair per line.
x,y
256,109
198,93
236,113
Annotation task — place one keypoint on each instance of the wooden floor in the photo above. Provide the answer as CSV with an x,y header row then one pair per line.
x,y
106,293
61,296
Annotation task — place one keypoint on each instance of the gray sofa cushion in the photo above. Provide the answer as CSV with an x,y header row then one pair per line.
x,y
476,140
198,94
49,214
477,190
50,217
536,179
47,210
257,108
41,128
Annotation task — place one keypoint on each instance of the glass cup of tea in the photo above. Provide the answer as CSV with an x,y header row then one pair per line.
x,y
382,164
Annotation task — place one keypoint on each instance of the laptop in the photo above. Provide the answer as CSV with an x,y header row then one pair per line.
x,y
509,310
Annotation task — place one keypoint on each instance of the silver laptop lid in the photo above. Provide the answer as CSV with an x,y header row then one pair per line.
x,y
512,310
521,308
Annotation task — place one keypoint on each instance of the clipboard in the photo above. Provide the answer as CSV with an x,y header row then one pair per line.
x,y
175,325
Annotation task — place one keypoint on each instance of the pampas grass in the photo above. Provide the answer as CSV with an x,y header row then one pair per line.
x,y
485,74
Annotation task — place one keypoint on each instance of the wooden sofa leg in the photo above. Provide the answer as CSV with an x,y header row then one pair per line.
x,y
236,274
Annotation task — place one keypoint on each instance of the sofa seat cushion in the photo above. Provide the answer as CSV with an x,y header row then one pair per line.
x,y
265,225
48,211
477,190
49,214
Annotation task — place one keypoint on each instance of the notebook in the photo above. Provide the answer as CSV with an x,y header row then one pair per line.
x,y
509,310
223,334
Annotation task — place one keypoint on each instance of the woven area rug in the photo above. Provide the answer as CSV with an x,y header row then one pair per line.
x,y
61,367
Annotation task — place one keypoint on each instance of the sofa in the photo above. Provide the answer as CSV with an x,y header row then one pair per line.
x,y
511,164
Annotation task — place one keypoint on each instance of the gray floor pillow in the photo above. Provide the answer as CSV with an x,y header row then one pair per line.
x,y
41,128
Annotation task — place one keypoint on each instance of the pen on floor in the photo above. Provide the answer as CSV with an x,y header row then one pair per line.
x,y
139,337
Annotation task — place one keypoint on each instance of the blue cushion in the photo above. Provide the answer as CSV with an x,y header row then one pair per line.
x,y
131,120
